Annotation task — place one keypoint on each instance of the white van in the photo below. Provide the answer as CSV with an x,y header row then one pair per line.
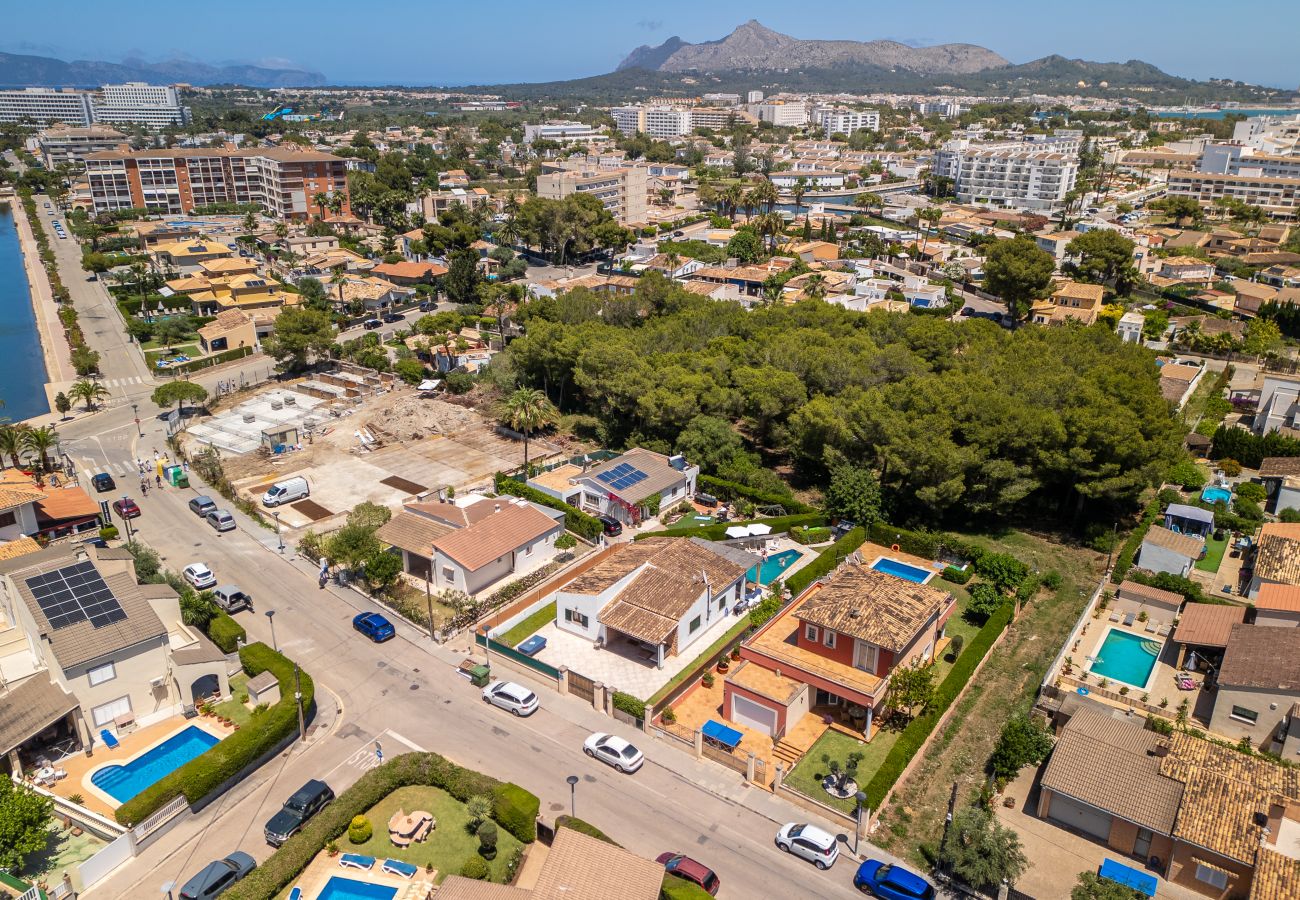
x,y
286,491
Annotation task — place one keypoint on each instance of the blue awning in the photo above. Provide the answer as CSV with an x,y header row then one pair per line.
x,y
1129,877
727,737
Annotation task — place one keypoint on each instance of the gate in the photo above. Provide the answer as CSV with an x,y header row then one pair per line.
x,y
582,686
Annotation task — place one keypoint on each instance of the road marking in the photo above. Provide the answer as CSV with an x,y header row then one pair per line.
x,y
397,737
364,759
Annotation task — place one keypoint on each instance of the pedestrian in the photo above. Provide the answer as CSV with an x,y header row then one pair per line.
x,y
185,464
158,480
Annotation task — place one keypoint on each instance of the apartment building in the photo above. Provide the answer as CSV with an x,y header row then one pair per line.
x,y
1279,135
1233,159
624,191
44,106
434,203
560,132
944,109
1279,197
64,145
834,120
282,180
628,119
154,105
1013,174
778,112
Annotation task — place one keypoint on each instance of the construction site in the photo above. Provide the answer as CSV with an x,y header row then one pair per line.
x,y
356,435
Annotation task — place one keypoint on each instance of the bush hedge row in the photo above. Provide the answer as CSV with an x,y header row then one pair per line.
x,y
825,561
409,769
195,365
731,490
718,531
918,730
814,534
226,633
575,520
677,888
633,706
201,775
1128,552
576,824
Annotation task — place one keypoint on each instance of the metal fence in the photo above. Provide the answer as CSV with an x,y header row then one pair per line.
x,y
512,654
730,760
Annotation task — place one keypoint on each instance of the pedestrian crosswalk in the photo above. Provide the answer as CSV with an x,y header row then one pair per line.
x,y
93,467
122,382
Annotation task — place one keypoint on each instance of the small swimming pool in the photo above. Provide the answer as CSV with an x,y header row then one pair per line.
x,y
1126,657
773,567
340,888
1215,494
899,569
122,782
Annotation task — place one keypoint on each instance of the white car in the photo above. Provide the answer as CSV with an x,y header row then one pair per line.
x,y
200,576
514,697
614,751
809,842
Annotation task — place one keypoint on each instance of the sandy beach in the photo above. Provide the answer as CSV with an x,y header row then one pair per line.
x,y
58,358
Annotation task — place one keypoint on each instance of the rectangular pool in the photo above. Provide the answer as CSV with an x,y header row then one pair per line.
x,y
899,569
1126,657
122,782
340,888
773,567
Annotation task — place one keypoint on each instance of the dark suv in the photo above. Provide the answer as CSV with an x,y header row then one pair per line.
x,y
305,803
612,526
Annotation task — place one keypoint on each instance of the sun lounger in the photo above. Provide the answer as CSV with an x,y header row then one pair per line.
x,y
1151,626
107,737
1128,619
295,894
1164,630
1114,616
357,861
397,867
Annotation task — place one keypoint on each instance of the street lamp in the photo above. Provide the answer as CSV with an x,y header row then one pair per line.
x,y
270,617
573,795
857,832
135,411
276,515
167,889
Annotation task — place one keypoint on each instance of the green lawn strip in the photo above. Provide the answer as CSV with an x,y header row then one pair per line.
x,y
448,846
734,632
1214,550
529,626
235,709
806,777
190,350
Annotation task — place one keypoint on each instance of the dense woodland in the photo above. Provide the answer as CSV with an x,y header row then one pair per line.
x,y
960,421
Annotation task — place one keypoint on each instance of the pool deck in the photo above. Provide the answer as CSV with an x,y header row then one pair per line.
x,y
1160,683
320,870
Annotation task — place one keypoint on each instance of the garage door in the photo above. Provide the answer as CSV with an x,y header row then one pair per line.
x,y
1079,816
753,715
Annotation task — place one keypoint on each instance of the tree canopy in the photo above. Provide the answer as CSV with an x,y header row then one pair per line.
x,y
981,851
298,335
1020,272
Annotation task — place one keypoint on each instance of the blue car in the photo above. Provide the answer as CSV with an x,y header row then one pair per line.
x,y
374,626
892,882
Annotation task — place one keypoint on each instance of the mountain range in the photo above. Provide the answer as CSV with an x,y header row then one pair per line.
x,y
20,70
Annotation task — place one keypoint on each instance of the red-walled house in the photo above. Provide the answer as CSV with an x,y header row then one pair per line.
x,y
835,647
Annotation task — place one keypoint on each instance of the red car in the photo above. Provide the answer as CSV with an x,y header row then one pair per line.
x,y
126,508
685,867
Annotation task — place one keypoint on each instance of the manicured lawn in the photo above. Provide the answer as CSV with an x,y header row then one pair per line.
x,y
529,626
448,846
190,350
235,709
806,777
1214,550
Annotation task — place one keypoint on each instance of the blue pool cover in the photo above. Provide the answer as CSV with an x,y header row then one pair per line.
x,y
1129,877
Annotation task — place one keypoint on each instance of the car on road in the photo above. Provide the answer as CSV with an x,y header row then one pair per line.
x,y
218,876
305,803
202,505
374,626
103,482
372,324
232,599
891,881
614,751
199,576
126,508
221,520
809,842
684,867
427,306
611,526
514,697
391,317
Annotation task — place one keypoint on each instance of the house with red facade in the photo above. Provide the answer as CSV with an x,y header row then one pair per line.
x,y
833,650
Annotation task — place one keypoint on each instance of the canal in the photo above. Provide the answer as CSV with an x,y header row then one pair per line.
x,y
22,373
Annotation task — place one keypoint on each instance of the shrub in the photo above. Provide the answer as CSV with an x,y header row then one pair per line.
x,y
108,532
226,633
678,888
1124,561
1187,474
487,840
360,830
1230,467
766,609
1023,742
475,867
731,490
826,561
1052,581
707,680
633,706
956,575
516,810
582,827
669,715
985,599
955,645
1248,490
1002,569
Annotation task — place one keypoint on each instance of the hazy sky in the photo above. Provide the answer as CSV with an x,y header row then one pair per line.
x,y
440,42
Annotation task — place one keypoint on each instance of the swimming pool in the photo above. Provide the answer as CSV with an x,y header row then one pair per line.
x,y
899,569
772,567
1126,657
340,888
122,782
1216,494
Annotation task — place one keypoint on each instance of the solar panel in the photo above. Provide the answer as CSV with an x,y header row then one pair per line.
x,y
638,475
606,477
74,594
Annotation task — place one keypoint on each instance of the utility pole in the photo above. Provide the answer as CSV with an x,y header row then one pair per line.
x,y
428,599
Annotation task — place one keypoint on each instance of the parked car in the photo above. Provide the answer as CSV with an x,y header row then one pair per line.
x,y
103,482
221,520
374,626
126,508
202,505
217,876
287,491
371,324
305,803
199,576
427,305
810,843
612,526
893,882
685,867
232,599
514,697
678,234
614,751
391,317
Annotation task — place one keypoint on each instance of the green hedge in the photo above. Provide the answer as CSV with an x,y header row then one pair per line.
x,y
956,575
515,810
195,365
575,520
918,730
825,561
676,888
201,775
718,531
633,706
809,535
226,633
730,490
586,828
429,769
1128,552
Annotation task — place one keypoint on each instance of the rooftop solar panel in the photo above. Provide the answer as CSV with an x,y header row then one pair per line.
x,y
74,594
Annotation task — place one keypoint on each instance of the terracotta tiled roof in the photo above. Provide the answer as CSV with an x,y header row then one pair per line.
x,y
30,708
1131,589
1278,555
516,525
457,887
454,514
874,607
57,504
1280,597
19,546
1279,466
1262,656
1208,624
1277,877
580,867
12,495
410,270
1185,544
412,532
1076,290
672,554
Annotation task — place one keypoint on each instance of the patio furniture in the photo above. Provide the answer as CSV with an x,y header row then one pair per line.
x,y
1185,684
403,829
1151,627
107,737
124,721
726,738
1114,616
1129,619
357,861
60,774
534,645
296,893
427,824
1164,630
399,868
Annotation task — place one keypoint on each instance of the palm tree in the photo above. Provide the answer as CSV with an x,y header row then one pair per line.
x,y
321,200
869,200
772,293
525,411
12,443
800,188
771,224
88,392
765,195
730,195
281,230
40,441
250,222
931,216
814,288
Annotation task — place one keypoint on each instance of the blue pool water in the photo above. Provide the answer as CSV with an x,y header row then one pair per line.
x,y
902,570
340,888
772,567
1215,494
1127,657
124,782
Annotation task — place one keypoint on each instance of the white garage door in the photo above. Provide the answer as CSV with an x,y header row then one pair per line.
x,y
1080,816
753,715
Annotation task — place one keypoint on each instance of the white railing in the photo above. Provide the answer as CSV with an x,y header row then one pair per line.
x,y
161,817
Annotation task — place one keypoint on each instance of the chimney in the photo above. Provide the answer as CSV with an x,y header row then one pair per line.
x,y
496,507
